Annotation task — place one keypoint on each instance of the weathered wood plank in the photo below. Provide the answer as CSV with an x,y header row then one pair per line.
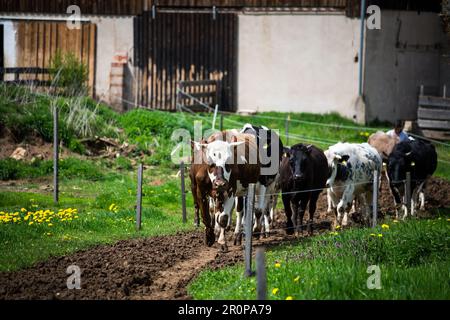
x,y
433,113
434,101
435,134
434,124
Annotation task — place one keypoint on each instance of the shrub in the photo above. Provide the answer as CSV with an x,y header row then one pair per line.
x,y
69,74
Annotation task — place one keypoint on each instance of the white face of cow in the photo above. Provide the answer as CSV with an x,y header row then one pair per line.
x,y
333,161
218,153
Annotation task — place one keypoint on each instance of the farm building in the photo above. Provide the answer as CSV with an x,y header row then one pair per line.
x,y
245,55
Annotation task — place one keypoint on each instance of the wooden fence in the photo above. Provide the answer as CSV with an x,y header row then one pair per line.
x,y
433,114
39,41
185,46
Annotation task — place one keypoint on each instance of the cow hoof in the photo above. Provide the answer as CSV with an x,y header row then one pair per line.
x,y
238,239
210,238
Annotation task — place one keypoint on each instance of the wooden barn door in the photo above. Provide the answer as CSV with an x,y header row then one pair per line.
x,y
39,41
176,46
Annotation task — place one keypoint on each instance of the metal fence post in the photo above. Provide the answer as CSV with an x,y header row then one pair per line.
x,y
261,280
55,155
139,197
286,129
408,192
248,229
375,199
183,192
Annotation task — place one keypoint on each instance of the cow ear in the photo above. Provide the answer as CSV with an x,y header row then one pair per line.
x,y
344,159
309,148
198,145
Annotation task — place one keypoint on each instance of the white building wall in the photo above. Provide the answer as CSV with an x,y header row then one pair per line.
x,y
114,37
298,63
393,73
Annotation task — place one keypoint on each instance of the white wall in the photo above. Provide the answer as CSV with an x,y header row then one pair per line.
x,y
114,36
300,63
393,74
9,43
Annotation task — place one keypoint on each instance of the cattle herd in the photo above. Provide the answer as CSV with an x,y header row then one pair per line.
x,y
226,163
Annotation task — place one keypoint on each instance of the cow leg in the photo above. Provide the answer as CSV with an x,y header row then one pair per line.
x,y
273,206
196,205
239,221
206,218
259,209
222,220
329,201
295,211
312,210
397,200
345,202
421,196
288,211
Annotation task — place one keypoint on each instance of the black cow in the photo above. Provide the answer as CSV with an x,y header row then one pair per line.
x,y
270,150
420,159
304,167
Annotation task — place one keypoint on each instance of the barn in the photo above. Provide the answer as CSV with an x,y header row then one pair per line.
x,y
244,55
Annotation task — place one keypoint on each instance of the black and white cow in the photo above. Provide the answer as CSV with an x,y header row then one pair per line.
x,y
303,168
420,159
351,168
270,150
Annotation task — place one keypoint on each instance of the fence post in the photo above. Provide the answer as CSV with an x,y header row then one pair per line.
x,y
286,128
215,116
183,192
261,280
421,90
139,197
375,198
408,192
248,229
444,93
55,155
221,122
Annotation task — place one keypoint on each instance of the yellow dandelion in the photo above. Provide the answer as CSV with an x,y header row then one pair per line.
x,y
275,290
277,265
385,226
111,206
30,223
50,224
289,298
380,235
296,279
338,227
373,235
23,210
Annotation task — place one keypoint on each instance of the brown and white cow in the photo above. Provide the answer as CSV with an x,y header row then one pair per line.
x,y
383,143
233,163
201,188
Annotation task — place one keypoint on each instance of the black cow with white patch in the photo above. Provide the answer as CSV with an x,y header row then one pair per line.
x,y
304,167
420,159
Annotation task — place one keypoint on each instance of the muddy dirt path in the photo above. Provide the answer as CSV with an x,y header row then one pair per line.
x,y
160,267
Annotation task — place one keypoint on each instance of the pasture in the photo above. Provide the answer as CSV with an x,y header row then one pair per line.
x,y
96,211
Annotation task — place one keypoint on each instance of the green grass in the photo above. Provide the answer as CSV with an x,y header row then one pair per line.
x,y
97,224
413,258
91,186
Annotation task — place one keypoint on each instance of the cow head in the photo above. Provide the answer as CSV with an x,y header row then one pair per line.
x,y
298,160
337,165
400,161
218,156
